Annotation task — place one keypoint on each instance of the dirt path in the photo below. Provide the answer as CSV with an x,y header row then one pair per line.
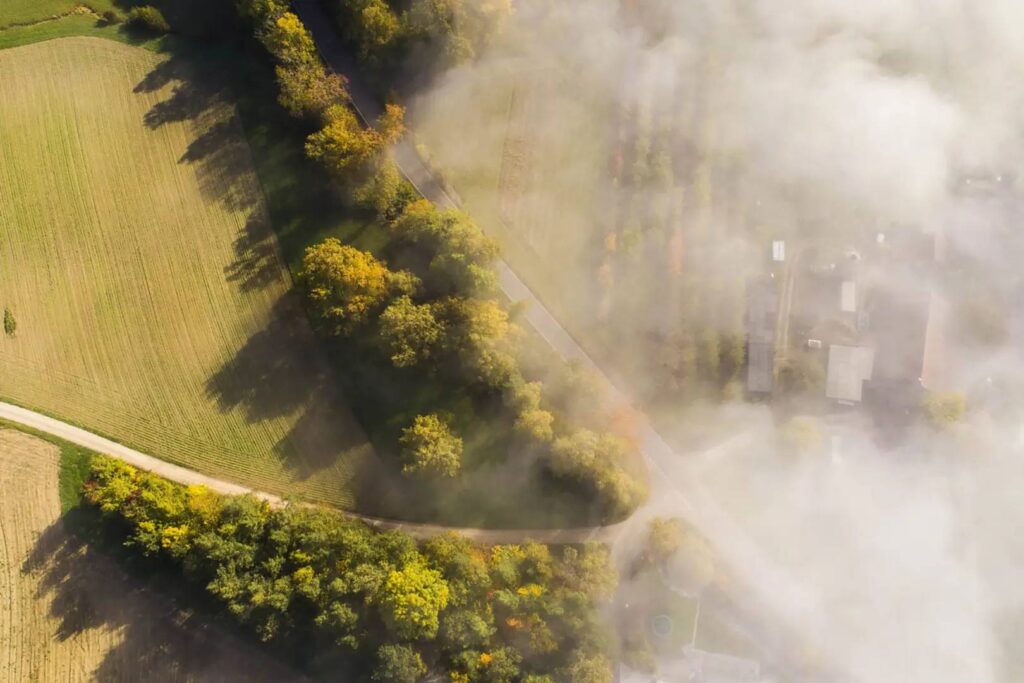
x,y
185,476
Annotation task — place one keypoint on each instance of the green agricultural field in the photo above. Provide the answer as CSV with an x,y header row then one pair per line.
x,y
138,263
29,11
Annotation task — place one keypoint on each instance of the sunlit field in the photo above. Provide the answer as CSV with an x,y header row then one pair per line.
x,y
137,261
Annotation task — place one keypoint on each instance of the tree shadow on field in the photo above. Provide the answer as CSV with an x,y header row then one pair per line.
x,y
90,596
257,263
200,96
281,372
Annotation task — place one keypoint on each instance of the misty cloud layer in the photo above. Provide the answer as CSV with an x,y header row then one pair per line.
x,y
817,119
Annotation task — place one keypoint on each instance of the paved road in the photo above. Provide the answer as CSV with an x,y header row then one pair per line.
x,y
81,437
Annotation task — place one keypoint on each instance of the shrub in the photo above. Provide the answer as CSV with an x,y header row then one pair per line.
x,y
430,447
149,18
664,538
111,17
799,374
592,461
945,409
801,435
532,421
398,664
10,324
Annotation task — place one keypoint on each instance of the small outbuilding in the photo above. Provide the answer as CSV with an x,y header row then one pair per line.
x,y
848,368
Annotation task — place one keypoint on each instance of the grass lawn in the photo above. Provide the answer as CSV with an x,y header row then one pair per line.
x,y
137,259
31,11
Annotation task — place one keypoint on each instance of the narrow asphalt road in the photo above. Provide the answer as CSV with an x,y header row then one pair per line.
x,y
181,475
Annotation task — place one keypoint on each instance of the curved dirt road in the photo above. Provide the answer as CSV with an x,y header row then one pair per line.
x,y
181,475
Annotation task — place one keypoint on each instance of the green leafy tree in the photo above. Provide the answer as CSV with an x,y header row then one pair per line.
x,y
260,11
664,538
590,669
149,18
429,447
409,332
500,665
462,566
380,28
398,664
461,255
289,41
589,571
532,421
342,145
411,599
350,151
384,190
694,562
308,90
592,461
461,30
504,614
483,339
10,324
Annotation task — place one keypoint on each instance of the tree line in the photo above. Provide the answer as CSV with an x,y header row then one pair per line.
x,y
436,34
434,306
359,604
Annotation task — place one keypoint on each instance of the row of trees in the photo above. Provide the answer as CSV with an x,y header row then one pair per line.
x,y
451,31
436,310
373,604
357,156
441,322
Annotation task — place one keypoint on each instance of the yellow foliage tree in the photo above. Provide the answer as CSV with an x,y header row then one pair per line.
x,y
346,285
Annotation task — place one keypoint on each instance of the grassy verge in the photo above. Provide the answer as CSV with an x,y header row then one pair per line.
x,y
74,465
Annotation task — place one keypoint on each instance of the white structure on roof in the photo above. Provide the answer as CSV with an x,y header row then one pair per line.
x,y
848,368
779,251
848,298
